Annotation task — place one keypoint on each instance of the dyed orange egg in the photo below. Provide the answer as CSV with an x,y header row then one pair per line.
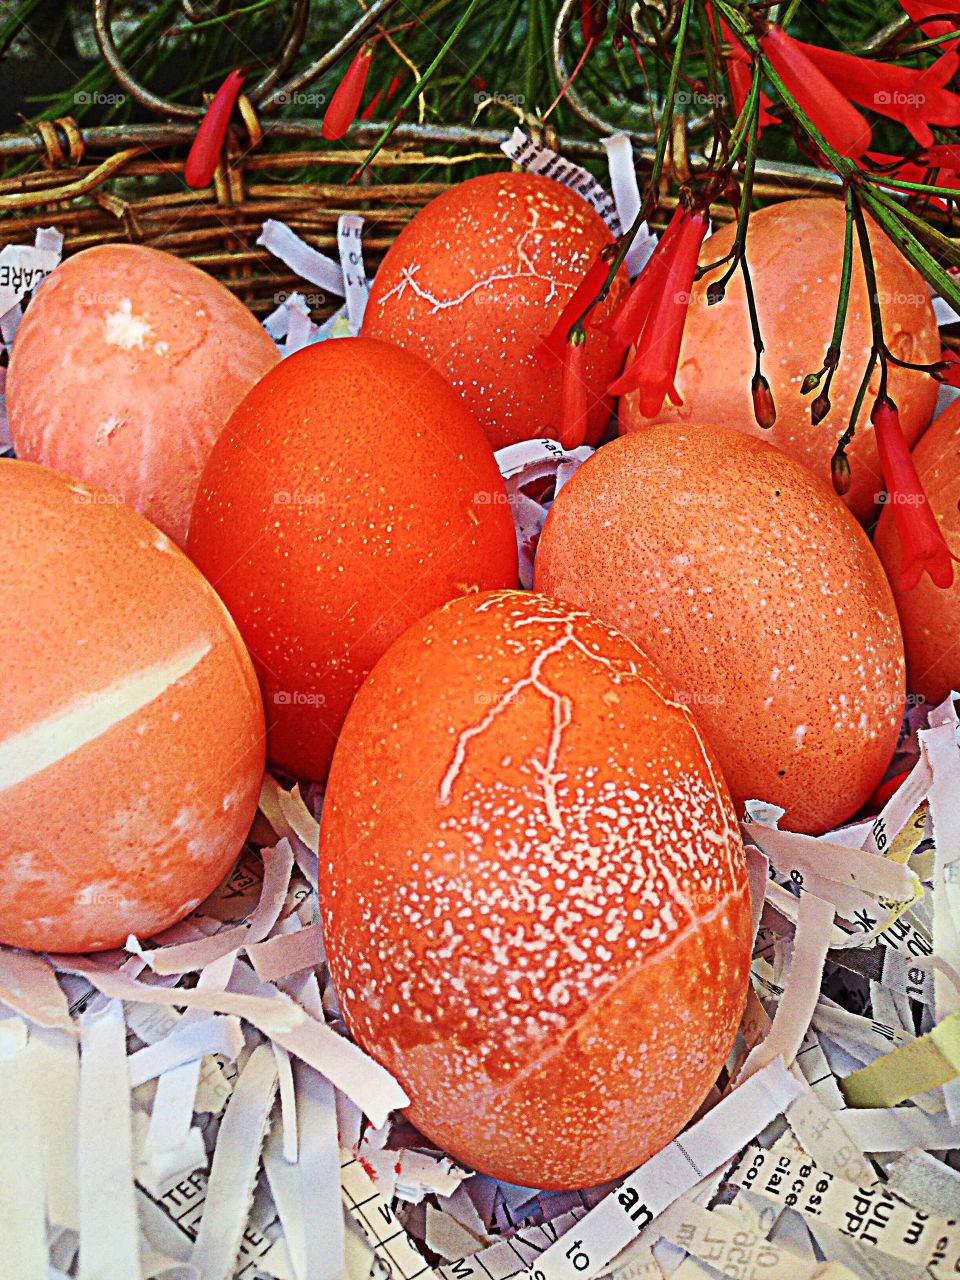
x,y
930,615
351,493
535,900
126,366
131,727
477,278
757,595
795,252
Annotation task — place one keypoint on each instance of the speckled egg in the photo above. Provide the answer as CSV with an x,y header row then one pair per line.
x,y
533,892
126,366
795,251
757,595
131,727
930,615
477,278
351,493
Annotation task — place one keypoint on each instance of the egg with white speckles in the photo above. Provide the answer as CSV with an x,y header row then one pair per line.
x,y
126,366
350,494
795,252
759,597
477,278
930,615
533,891
131,727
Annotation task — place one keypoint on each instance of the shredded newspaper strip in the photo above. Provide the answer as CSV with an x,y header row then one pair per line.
x,y
191,1108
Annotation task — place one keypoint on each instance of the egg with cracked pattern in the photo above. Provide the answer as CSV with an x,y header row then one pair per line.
x,y
474,281
131,727
758,596
795,252
930,615
350,494
125,367
533,893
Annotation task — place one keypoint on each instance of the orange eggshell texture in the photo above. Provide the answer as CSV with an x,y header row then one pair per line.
x,y
131,727
534,898
477,278
930,615
795,253
351,493
757,595
126,366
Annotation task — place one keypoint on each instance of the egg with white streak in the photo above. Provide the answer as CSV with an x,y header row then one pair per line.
x,y
533,891
757,595
124,370
131,726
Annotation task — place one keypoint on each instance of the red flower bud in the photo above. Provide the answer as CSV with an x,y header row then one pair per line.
x,y
208,143
923,547
840,472
819,408
764,409
345,103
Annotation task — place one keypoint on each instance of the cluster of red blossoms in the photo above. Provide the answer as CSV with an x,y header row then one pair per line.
x,y
825,85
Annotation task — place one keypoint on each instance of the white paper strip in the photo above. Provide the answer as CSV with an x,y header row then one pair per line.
x,y
109,1232
626,195
234,1170
277,238
22,1194
350,247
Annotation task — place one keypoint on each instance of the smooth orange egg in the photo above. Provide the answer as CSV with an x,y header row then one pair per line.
x,y
351,493
477,278
930,615
534,901
757,595
795,252
131,727
126,366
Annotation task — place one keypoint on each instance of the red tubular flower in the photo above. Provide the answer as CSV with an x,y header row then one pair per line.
x,y
916,98
838,121
923,547
654,367
208,143
550,350
919,11
626,324
573,393
593,19
345,103
740,73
